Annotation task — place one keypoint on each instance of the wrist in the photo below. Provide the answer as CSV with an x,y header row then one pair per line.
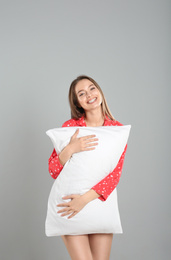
x,y
70,149
65,154
90,195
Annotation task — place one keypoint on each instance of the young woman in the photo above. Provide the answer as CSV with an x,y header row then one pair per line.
x,y
88,108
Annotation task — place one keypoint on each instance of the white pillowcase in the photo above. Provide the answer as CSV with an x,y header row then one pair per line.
x,y
80,174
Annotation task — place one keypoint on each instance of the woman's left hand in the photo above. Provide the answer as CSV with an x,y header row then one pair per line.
x,y
72,207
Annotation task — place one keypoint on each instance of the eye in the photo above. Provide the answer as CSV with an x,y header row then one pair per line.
x,y
81,94
92,88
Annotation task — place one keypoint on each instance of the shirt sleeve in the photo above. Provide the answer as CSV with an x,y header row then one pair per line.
x,y
109,183
54,165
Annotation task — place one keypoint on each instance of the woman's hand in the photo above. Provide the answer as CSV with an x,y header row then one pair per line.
x,y
76,145
85,143
73,207
77,202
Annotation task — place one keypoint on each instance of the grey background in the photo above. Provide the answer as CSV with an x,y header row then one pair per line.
x,y
125,47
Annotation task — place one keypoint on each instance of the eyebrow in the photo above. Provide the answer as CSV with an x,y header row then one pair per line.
x,y
83,89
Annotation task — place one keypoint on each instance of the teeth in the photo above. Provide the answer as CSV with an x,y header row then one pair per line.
x,y
91,101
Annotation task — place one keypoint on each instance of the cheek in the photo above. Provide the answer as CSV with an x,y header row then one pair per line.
x,y
98,92
81,101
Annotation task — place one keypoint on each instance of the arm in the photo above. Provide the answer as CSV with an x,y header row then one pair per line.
x,y
102,189
77,203
57,161
55,167
109,183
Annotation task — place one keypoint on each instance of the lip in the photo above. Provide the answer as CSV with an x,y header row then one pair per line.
x,y
94,99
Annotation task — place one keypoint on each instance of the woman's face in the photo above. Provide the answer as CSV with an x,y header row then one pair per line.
x,y
88,95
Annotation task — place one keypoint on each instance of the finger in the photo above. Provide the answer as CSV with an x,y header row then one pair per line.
x,y
76,133
91,144
72,196
89,149
88,137
63,210
67,213
63,205
73,214
67,197
91,140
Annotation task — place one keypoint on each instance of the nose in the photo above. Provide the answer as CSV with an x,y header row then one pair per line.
x,y
88,94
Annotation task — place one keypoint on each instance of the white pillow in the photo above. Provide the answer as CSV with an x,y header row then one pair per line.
x,y
80,174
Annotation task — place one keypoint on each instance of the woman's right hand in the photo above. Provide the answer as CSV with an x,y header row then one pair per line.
x,y
76,145
85,143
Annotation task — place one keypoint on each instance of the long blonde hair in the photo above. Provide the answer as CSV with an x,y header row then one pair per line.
x,y
76,110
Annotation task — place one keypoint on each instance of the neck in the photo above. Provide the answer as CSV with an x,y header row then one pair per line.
x,y
94,118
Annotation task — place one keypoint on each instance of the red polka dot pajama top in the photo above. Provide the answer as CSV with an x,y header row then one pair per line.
x,y
109,183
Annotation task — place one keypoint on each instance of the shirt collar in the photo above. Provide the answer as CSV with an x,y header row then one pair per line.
x,y
107,120
81,121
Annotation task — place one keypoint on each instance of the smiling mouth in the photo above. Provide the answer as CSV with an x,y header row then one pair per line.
x,y
91,101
